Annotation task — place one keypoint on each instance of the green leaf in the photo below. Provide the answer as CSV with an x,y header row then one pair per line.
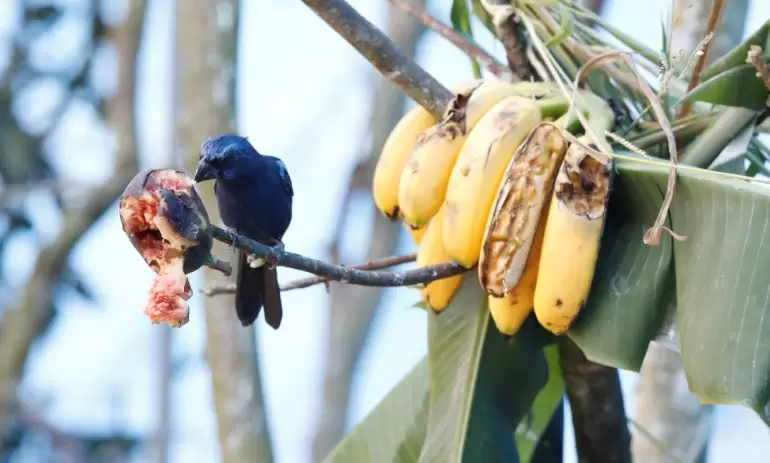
x,y
738,86
395,429
632,280
547,402
722,304
737,56
461,21
565,29
735,166
483,15
481,385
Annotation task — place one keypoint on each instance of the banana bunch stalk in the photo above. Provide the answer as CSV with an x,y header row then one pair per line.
x,y
477,187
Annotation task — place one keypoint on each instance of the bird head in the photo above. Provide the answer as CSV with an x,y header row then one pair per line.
x,y
219,157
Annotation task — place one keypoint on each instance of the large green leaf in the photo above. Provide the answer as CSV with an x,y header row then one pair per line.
x,y
481,385
395,429
737,56
722,299
534,425
738,86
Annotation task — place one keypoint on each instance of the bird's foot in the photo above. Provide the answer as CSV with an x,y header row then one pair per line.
x,y
254,261
231,233
277,254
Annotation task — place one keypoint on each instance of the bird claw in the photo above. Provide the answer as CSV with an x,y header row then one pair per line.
x,y
254,261
231,234
277,254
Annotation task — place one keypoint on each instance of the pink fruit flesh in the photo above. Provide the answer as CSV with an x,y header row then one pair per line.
x,y
168,296
167,302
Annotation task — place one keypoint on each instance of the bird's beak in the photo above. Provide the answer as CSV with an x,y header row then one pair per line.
x,y
204,172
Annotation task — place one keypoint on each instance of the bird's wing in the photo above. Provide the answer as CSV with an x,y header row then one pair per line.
x,y
284,174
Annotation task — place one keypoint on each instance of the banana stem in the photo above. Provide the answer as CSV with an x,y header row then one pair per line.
x,y
553,107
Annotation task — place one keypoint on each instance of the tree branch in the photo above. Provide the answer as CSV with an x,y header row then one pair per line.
x,y
19,325
504,19
376,47
471,49
306,282
339,273
717,8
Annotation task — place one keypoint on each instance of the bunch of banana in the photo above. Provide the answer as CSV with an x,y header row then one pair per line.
x,y
510,252
529,247
479,169
427,172
481,186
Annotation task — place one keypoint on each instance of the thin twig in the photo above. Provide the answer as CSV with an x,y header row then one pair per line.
x,y
717,7
470,48
505,21
376,47
339,273
306,282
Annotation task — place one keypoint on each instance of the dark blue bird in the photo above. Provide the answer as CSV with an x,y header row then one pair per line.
x,y
254,195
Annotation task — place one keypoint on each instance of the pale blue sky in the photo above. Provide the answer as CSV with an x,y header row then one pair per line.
x,y
303,97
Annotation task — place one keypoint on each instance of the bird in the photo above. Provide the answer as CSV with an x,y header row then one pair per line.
x,y
254,196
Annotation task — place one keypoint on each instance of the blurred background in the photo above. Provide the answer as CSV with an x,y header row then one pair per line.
x,y
91,91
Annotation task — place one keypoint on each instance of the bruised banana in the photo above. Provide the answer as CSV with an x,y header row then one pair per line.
x,y
572,237
513,221
439,293
476,176
510,310
425,176
396,150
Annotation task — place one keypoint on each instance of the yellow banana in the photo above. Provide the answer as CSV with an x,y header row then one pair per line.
x,y
416,233
513,221
426,174
479,169
510,310
396,150
572,237
439,293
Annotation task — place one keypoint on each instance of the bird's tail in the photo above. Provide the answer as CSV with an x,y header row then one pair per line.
x,y
256,287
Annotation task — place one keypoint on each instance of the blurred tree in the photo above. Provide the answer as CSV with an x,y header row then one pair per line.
x,y
207,43
352,308
665,406
27,127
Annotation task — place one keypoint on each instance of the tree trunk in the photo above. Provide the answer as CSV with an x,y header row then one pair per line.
x,y
598,413
353,307
665,408
206,43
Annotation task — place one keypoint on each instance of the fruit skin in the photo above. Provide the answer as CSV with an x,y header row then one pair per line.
x,y
479,169
576,218
396,150
514,220
424,179
510,310
438,293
